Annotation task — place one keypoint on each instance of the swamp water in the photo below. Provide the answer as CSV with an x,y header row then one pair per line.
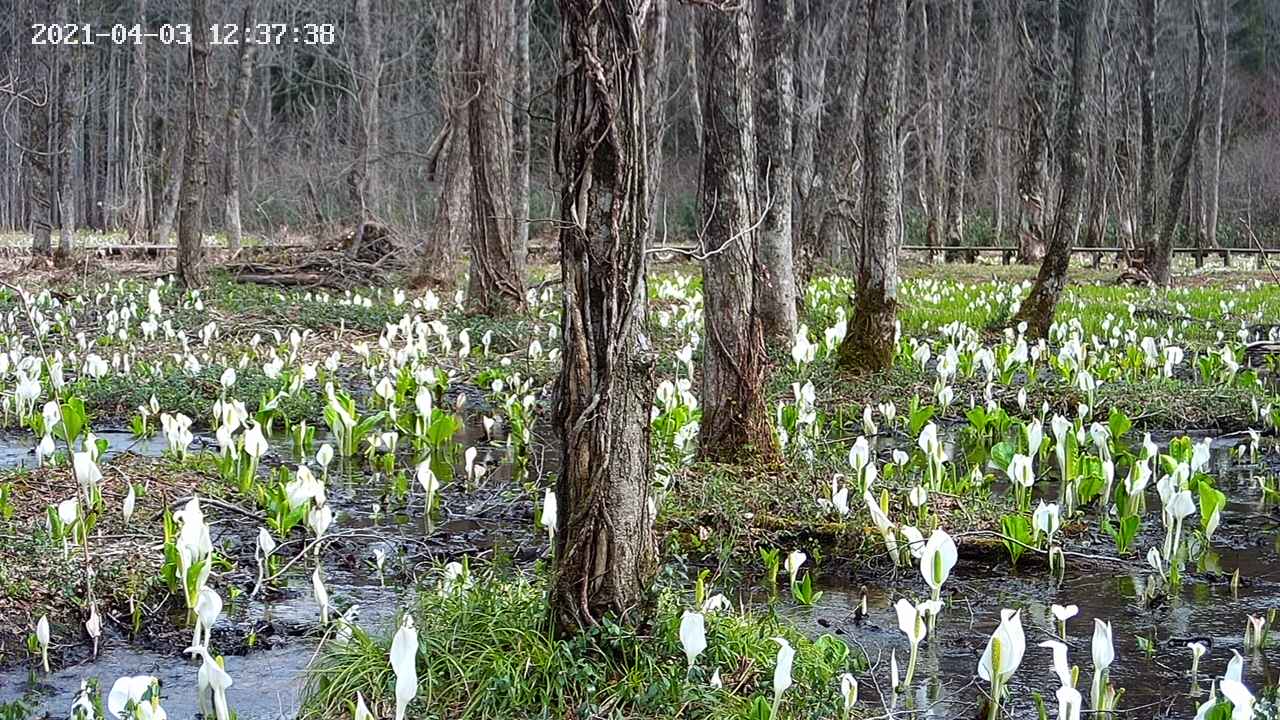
x,y
1205,610
268,678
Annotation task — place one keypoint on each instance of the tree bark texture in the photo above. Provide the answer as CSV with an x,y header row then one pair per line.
x,y
735,422
496,283
1033,31
195,166
1038,309
40,90
605,550
450,165
776,285
871,340
366,68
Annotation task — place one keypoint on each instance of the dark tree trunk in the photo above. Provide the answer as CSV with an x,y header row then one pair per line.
x,y
496,284
734,419
195,167
606,552
1159,253
871,340
242,74
1037,310
776,284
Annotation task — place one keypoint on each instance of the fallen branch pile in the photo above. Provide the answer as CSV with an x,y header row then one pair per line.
x,y
343,263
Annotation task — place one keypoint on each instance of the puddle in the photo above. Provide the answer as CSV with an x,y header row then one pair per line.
x,y
18,449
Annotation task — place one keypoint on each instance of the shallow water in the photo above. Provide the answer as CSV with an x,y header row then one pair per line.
x,y
475,519
1204,610
493,517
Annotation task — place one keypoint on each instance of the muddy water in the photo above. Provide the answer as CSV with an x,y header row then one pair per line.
x,y
476,519
1204,610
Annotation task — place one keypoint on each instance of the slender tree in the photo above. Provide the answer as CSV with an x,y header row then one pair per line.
x,y
68,110
1159,252
242,74
734,419
138,186
363,180
872,334
1215,185
1146,59
39,92
1037,310
520,128
776,284
195,167
497,282
605,548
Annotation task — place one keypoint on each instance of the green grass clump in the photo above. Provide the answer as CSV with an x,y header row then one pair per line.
x,y
485,652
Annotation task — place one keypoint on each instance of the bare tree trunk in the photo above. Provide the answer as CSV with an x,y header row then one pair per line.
x,y
606,551
497,284
68,107
811,90
452,223
195,167
137,171
695,91
172,162
40,90
1159,254
1146,103
958,131
366,69
655,103
933,137
520,129
243,73
828,216
734,419
1215,185
871,340
1037,310
1032,191
776,283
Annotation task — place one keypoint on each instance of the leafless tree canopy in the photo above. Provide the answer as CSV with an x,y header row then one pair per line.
x,y
309,135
